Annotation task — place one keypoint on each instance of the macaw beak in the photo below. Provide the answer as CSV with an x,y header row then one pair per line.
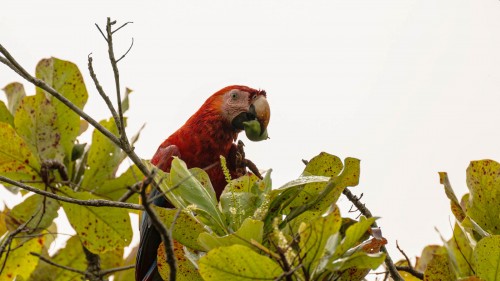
x,y
255,120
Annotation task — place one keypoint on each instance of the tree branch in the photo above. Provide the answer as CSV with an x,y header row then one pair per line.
x,y
410,269
362,208
91,202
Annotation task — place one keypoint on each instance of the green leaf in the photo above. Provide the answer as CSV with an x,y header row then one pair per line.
x,y
104,157
65,78
15,93
17,162
483,181
358,260
20,263
314,237
314,196
43,209
185,230
35,122
236,263
115,188
250,230
487,258
186,271
195,194
101,229
5,115
353,234
460,252
456,208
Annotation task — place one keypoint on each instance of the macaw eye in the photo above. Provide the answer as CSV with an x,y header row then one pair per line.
x,y
254,97
234,96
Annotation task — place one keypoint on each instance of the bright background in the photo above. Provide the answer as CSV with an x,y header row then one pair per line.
x,y
408,87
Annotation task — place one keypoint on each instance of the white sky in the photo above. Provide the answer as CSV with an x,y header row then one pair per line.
x,y
408,87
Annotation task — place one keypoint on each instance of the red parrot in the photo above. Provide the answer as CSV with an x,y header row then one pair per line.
x,y
208,134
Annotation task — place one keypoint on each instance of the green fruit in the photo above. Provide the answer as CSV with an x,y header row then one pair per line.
x,y
253,131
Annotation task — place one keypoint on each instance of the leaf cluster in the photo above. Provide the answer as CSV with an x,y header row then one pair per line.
x,y
40,147
294,232
473,253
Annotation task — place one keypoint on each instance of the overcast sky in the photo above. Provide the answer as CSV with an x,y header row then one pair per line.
x,y
409,87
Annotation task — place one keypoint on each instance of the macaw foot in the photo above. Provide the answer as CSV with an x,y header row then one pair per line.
x,y
242,163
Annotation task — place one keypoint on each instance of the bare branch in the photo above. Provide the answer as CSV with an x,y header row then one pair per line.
x,y
362,208
91,202
101,92
410,269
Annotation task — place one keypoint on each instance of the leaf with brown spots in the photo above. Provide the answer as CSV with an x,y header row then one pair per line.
x,y
64,77
101,229
237,263
186,271
35,122
486,258
19,261
456,208
185,229
17,162
483,181
15,93
320,196
39,210
439,267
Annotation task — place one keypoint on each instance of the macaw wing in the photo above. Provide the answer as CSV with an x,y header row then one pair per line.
x,y
146,269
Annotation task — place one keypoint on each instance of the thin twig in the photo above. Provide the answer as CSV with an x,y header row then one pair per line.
x,y
102,33
129,48
362,208
112,59
44,259
101,92
116,269
410,269
122,26
90,202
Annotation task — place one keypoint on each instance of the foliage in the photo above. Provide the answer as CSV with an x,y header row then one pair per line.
x,y
40,147
293,232
473,253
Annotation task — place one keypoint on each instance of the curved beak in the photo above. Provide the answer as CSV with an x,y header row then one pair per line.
x,y
255,120
261,110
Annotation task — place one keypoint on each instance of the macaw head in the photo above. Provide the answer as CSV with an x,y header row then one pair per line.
x,y
244,108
